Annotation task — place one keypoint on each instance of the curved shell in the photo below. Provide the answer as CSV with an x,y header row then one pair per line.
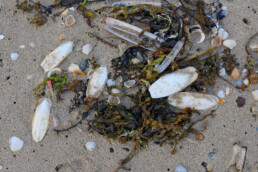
x,y
197,101
230,43
173,82
97,82
196,34
54,71
40,120
73,67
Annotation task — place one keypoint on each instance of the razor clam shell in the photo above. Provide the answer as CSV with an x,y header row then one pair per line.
x,y
55,57
97,82
41,120
197,101
173,82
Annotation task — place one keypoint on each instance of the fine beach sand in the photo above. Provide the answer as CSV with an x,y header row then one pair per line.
x,y
67,150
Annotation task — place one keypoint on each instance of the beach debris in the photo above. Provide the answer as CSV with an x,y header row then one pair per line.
x,y
84,65
239,84
90,146
193,100
216,42
15,143
245,73
93,35
41,120
212,155
221,94
173,82
230,43
14,56
54,72
86,49
180,168
222,33
197,34
199,136
229,91
32,45
222,72
240,101
69,20
55,57
129,83
22,46
61,37
111,82
246,82
235,73
75,70
1,37
238,157
255,95
222,101
97,82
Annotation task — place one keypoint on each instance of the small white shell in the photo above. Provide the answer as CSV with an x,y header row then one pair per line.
x,y
40,120
197,34
229,91
223,34
245,73
15,143
221,94
254,47
222,72
110,82
193,100
173,82
181,169
255,95
90,146
86,49
22,46
73,67
230,43
54,71
97,82
129,83
246,81
1,37
115,91
14,56
55,57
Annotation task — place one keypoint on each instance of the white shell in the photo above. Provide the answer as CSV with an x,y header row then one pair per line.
x,y
173,82
115,91
129,83
237,157
22,46
229,91
255,95
40,120
193,100
54,71
230,43
181,169
14,56
197,34
222,72
110,82
97,82
15,143
221,94
1,37
245,73
90,146
73,67
246,81
55,57
86,49
223,34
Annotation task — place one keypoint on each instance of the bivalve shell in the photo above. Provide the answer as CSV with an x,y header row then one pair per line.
x,y
90,146
229,91
197,101
222,72
197,34
15,143
173,82
235,73
129,83
222,33
40,120
73,67
86,49
230,43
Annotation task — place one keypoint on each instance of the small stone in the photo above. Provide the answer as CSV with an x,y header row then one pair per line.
x,y
181,169
246,81
1,37
199,136
33,45
221,94
240,101
115,91
255,95
110,82
245,73
239,83
14,56
222,72
86,49
65,12
135,61
84,65
61,37
71,8
230,43
222,101
90,146
129,83
22,46
229,91
235,73
15,143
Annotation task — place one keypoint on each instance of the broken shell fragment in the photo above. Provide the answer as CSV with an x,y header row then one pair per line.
x,y
222,72
254,47
255,95
192,100
73,67
97,82
40,120
86,49
197,34
245,73
61,37
229,91
111,82
238,157
221,94
173,82
69,20
14,56
15,143
199,136
129,83
55,57
180,168
90,146
54,71
246,81
235,73
230,43
222,33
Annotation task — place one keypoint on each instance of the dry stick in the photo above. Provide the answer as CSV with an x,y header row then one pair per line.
x,y
92,35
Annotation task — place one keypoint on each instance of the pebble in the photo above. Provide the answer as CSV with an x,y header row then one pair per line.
x,y
180,168
129,83
14,56
239,83
228,91
223,34
22,46
115,91
240,101
111,83
255,95
86,49
84,65
32,44
72,8
222,72
15,143
90,146
199,136
246,82
235,73
230,43
221,94
1,37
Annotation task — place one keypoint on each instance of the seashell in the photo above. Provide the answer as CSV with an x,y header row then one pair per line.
x,y
55,57
235,73
32,45
134,3
14,56
239,83
222,33
110,82
230,43
238,157
192,100
78,45
22,46
216,42
180,168
97,82
115,91
245,73
222,72
246,81
254,110
65,12
254,47
15,143
197,34
222,14
221,94
129,83
69,20
90,146
255,95
54,71
199,136
40,120
73,67
229,91
1,37
61,37
86,49
173,82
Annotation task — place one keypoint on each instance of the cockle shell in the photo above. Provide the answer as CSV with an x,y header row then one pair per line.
x,y
90,146
173,82
230,43
197,101
55,57
97,82
197,34
129,83
40,120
